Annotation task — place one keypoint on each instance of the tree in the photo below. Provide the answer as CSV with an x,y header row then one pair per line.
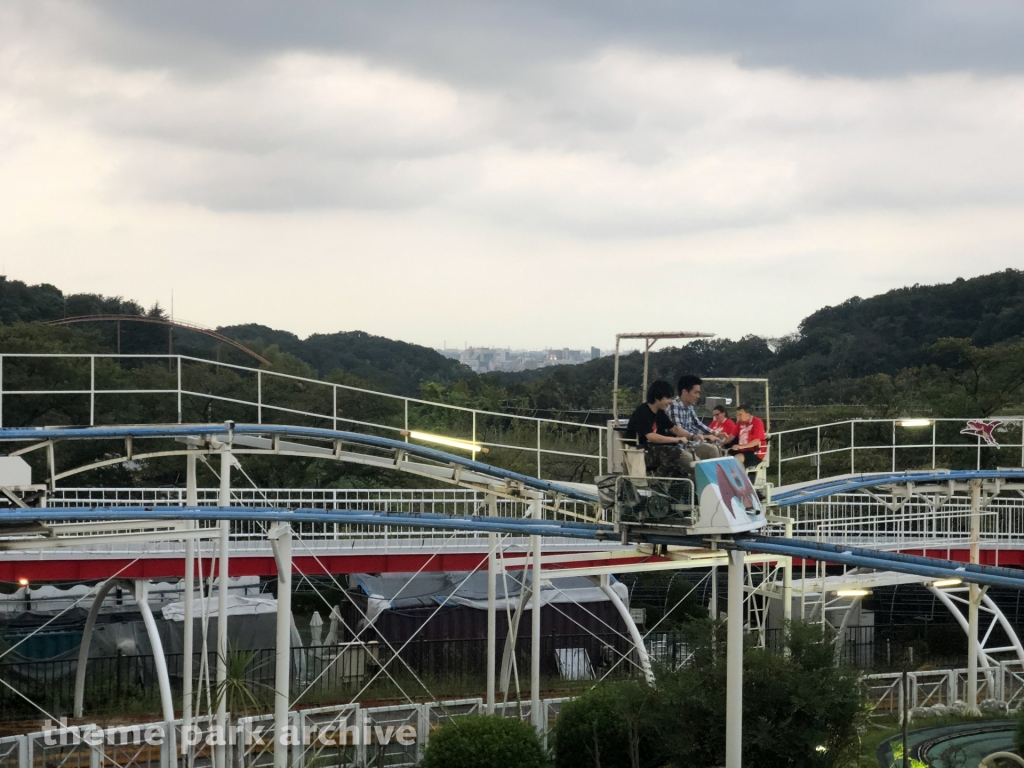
x,y
975,382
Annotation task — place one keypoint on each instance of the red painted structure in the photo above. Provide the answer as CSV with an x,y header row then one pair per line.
x,y
72,567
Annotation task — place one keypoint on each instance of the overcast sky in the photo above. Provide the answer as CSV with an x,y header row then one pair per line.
x,y
525,174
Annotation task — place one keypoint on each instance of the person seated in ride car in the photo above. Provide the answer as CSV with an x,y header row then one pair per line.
x,y
703,442
664,443
724,427
752,442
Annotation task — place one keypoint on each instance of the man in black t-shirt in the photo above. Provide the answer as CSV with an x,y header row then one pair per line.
x,y
664,443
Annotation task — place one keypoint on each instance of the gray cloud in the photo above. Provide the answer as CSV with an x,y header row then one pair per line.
x,y
492,41
827,148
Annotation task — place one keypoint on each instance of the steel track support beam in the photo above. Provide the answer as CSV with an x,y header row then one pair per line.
x,y
83,649
605,582
281,540
974,601
224,500
536,716
492,614
734,664
188,597
140,591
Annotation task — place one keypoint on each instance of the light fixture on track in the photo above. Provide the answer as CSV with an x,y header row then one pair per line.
x,y
914,422
451,442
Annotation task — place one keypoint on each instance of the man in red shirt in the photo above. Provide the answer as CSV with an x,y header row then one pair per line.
x,y
724,427
752,442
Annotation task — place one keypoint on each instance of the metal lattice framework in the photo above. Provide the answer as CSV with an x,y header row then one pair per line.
x,y
536,511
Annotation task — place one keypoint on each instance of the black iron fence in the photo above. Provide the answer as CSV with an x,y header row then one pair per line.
x,y
420,667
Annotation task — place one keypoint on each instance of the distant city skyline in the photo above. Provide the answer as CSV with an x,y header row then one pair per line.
x,y
508,360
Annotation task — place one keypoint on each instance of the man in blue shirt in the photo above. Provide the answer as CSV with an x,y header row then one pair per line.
x,y
702,441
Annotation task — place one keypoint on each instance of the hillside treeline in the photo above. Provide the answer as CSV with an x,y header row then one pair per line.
x,y
945,350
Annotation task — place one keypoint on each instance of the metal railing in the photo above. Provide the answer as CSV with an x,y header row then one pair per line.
x,y
886,445
129,746
193,386
451,501
881,521
927,688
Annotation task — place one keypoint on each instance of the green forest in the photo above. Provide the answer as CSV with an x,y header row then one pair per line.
x,y
948,350
951,350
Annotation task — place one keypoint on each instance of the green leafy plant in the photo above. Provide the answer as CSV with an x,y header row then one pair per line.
x,y
484,741
241,689
608,726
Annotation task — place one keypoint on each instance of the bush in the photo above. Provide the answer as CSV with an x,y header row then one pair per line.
x,y
798,710
484,741
604,725
792,706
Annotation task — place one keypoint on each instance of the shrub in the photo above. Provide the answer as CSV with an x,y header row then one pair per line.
x,y
604,726
792,706
484,741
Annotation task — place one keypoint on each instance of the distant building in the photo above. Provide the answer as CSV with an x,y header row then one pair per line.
x,y
487,359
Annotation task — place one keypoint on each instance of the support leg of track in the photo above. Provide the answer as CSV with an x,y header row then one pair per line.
x,y
734,664
188,596
281,539
974,601
634,632
787,588
492,617
536,716
224,500
83,649
140,590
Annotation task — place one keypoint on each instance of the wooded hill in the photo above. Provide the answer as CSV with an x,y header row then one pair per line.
x,y
392,366
895,350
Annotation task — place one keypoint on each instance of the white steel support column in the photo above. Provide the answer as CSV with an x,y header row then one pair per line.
x,y
634,632
83,649
713,607
734,664
281,540
492,615
536,716
223,500
787,586
974,601
188,594
140,590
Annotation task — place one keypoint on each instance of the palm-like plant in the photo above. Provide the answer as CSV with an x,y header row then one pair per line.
x,y
240,689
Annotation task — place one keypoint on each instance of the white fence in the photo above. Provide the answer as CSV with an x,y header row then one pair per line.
x,y
881,445
342,736
1003,683
878,520
336,405
355,736
881,521
249,535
